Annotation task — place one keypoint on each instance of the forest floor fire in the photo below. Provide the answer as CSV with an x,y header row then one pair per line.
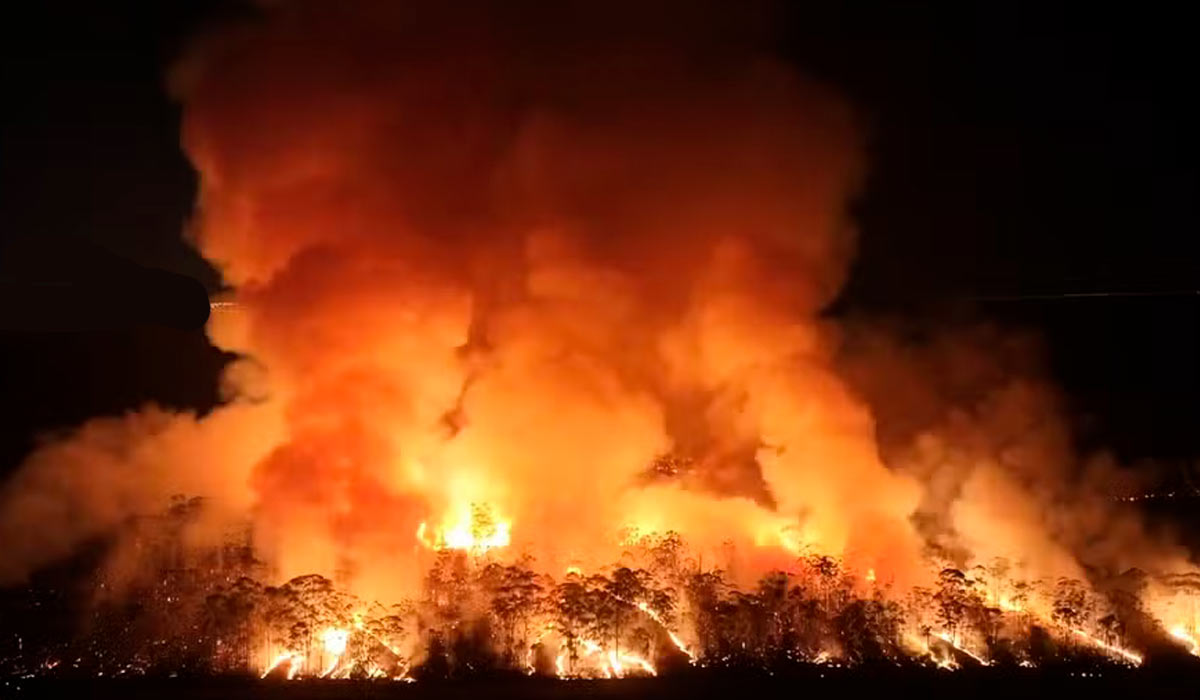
x,y
653,614
531,376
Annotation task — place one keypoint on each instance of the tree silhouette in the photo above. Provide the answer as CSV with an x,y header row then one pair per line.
x,y
953,599
574,614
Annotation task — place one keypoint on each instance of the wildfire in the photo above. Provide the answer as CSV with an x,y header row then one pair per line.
x,y
334,640
474,528
530,669
670,634
570,306
597,658
942,660
1125,654
1180,632
1130,656
954,643
788,536
294,660
618,660
610,663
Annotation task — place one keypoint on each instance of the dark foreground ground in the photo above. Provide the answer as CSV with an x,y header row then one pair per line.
x,y
1015,684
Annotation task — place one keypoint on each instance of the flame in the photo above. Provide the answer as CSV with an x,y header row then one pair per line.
x,y
559,664
334,640
294,660
1010,606
644,607
954,643
609,662
1180,632
618,662
1130,656
941,660
473,528
461,312
530,669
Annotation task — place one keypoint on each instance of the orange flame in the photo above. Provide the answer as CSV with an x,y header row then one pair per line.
x,y
473,529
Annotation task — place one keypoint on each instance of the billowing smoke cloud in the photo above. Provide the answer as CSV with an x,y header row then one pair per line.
x,y
486,262
969,412
559,269
112,469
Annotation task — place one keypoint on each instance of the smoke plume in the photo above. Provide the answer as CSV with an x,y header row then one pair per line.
x,y
556,273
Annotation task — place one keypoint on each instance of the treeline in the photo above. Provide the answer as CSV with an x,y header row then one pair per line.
x,y
653,612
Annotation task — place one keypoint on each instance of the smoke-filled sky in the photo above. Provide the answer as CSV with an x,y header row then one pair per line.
x,y
513,257
1011,153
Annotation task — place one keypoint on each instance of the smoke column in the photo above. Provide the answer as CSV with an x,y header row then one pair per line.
x,y
564,264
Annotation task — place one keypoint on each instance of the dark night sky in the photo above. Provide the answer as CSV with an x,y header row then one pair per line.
x,y
1017,149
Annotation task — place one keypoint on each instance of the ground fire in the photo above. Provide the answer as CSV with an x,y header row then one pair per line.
x,y
533,377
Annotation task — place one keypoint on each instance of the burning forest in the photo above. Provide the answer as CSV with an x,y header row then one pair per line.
x,y
533,377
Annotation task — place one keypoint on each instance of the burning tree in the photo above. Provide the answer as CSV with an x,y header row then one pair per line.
x,y
488,303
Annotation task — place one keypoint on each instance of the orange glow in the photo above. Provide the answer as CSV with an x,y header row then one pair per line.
x,y
1180,633
473,529
335,640
294,661
1130,656
673,637
535,355
954,643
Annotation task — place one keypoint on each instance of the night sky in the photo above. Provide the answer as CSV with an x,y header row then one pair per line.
x,y
1019,152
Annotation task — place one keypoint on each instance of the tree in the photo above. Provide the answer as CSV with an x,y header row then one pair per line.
x,y
772,602
952,599
1113,628
869,629
706,592
574,614
228,618
1072,605
515,597
626,589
